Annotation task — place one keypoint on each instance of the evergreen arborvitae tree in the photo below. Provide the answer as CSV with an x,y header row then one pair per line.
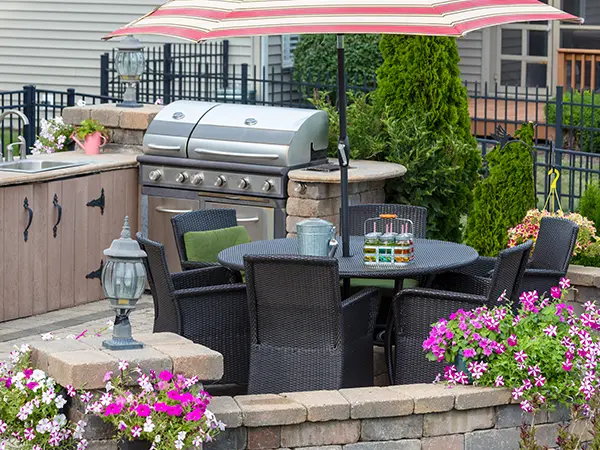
x,y
504,197
422,73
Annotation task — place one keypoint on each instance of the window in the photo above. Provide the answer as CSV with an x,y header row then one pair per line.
x,y
288,45
588,9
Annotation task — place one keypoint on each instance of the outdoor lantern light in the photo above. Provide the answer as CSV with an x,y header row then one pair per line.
x,y
130,63
124,281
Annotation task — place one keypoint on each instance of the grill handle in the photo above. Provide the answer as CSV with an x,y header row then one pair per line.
x,y
162,209
202,151
168,148
249,220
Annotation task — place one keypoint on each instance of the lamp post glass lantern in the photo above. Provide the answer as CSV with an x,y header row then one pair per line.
x,y
130,62
123,281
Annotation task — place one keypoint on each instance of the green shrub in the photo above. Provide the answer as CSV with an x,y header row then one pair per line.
x,y
589,205
580,110
364,126
504,197
315,58
590,257
421,73
441,173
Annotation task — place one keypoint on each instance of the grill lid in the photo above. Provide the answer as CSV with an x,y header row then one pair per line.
x,y
170,130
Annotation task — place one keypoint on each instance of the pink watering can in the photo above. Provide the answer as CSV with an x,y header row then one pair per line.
x,y
92,143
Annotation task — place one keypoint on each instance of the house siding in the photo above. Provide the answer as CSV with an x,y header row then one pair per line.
x,y
57,44
470,49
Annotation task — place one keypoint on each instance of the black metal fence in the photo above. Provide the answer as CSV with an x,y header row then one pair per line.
x,y
38,104
173,72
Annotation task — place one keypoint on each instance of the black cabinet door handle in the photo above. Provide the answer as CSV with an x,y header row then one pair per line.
x,y
57,206
29,210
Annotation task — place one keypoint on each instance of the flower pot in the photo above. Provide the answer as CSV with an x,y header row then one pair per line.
x,y
134,445
461,366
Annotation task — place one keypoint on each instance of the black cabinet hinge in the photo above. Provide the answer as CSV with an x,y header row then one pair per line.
x,y
98,202
96,273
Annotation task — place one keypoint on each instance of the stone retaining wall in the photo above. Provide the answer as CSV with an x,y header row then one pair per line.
x,y
586,281
409,417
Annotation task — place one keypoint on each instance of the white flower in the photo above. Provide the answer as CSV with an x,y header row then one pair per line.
x,y
38,375
179,445
106,399
79,429
80,102
60,420
82,444
45,336
43,426
25,411
70,336
3,427
197,442
24,348
2,445
148,425
48,396
123,365
157,439
109,387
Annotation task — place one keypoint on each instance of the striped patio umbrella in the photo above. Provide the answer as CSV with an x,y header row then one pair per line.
x,y
198,20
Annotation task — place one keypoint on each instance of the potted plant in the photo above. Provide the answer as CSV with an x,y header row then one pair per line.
x,y
545,353
54,136
90,136
156,411
31,411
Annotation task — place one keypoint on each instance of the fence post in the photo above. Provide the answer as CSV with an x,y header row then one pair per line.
x,y
104,77
70,97
225,63
244,84
167,73
558,126
29,105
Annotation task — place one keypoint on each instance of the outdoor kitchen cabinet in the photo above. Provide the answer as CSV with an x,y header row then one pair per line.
x,y
49,270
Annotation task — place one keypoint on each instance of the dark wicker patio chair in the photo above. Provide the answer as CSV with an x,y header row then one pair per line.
x,y
200,220
550,259
416,309
203,305
303,336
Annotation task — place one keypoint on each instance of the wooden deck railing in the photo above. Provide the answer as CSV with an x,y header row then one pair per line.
x,y
579,69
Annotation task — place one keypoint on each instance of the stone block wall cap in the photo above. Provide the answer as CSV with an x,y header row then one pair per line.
x,y
360,171
377,402
270,410
428,398
322,406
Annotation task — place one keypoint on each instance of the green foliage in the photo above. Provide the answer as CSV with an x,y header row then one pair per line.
x,y
315,57
441,173
364,126
580,110
589,205
589,257
421,73
504,197
89,126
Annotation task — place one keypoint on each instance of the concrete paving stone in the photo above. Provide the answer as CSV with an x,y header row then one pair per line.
x,y
42,350
405,444
471,397
194,359
230,439
427,398
508,416
309,434
82,369
498,439
377,402
321,447
103,445
161,339
264,437
387,428
453,422
147,358
451,442
226,410
269,409
322,405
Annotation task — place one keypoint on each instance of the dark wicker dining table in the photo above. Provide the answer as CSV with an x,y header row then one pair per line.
x,y
431,257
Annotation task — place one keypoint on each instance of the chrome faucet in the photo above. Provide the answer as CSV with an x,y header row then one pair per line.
x,y
22,142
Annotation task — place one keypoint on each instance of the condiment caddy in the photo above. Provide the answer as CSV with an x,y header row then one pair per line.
x,y
388,241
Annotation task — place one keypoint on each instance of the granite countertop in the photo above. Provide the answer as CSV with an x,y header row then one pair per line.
x,y
360,170
111,160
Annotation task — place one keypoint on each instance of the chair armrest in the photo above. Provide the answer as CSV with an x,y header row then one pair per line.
x,y
435,294
191,265
482,267
544,273
207,276
359,312
182,294
460,282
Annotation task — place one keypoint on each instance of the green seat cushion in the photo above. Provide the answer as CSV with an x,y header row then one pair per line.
x,y
380,283
204,246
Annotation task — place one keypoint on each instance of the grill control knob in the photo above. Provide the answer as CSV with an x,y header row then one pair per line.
x,y
221,181
155,175
182,177
267,186
244,183
197,179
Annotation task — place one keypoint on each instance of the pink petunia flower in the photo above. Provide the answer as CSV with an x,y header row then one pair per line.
x,y
469,353
564,283
520,356
107,376
499,381
136,431
550,331
165,375
540,381
512,340
143,410
555,292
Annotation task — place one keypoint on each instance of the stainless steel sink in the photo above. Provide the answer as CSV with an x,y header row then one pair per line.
x,y
36,165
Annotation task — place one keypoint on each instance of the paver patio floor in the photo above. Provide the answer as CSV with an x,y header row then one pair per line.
x,y
72,321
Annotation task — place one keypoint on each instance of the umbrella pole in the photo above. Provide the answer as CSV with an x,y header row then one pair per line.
x,y
343,145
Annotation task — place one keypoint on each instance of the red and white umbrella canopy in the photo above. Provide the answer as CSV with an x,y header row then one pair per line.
x,y
197,20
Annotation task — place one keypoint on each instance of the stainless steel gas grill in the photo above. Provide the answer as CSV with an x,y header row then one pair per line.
x,y
209,155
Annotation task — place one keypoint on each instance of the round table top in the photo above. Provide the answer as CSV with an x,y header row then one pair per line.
x,y
431,257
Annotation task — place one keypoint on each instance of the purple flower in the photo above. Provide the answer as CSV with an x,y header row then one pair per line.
x,y
113,409
540,381
194,415
517,393
161,407
136,432
526,406
176,410
143,410
499,381
469,353
107,376
555,292
534,371
527,384
551,330
461,378
31,386
564,283
520,356
166,376
512,340
28,372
